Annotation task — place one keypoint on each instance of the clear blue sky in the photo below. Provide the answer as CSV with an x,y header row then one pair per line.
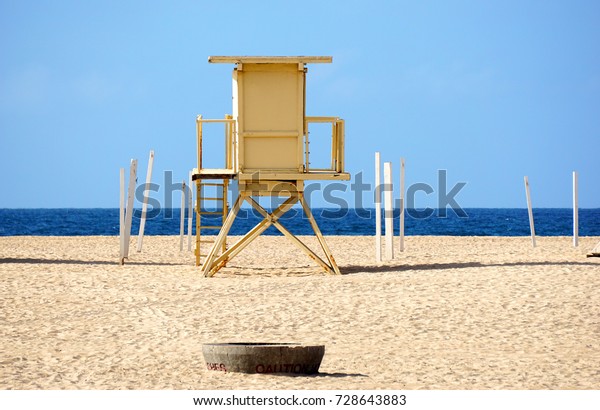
x,y
488,90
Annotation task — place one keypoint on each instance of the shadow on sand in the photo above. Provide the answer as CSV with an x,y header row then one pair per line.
x,y
351,269
38,261
320,374
345,270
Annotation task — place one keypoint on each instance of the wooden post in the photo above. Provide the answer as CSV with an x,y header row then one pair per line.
x,y
377,207
182,218
145,204
199,140
122,218
388,199
129,209
575,211
190,211
530,211
402,205
197,207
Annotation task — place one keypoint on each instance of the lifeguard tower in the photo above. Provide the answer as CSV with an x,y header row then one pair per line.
x,y
267,151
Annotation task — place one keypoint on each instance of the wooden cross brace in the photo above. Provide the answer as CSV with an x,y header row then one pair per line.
x,y
214,262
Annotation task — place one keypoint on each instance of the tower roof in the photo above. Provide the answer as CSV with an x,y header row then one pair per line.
x,y
271,60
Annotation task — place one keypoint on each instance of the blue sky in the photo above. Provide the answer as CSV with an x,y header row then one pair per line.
x,y
488,90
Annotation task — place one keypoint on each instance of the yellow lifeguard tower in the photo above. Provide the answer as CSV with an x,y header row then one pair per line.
x,y
267,152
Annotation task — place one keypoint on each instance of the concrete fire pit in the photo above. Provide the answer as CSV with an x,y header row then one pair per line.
x,y
281,358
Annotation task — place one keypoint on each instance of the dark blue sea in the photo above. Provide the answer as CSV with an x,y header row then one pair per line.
x,y
478,222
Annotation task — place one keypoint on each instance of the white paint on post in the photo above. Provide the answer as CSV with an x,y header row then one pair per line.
x,y
388,203
530,211
122,217
182,218
402,205
575,211
190,211
145,204
129,209
377,207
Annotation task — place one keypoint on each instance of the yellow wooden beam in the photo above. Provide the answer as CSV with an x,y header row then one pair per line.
x,y
270,59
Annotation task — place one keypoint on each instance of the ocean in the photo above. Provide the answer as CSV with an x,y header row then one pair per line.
x,y
478,222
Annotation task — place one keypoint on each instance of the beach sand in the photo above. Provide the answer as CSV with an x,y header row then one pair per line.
x,y
447,313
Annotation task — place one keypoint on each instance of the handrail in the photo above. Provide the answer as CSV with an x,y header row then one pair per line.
x,y
321,119
230,140
337,143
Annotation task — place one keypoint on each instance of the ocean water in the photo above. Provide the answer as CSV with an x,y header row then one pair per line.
x,y
478,222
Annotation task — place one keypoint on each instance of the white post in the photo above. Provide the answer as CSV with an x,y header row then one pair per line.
x,y
145,204
129,209
402,205
122,217
531,225
388,197
377,207
190,211
575,211
182,218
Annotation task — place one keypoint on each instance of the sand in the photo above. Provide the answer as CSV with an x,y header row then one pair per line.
x,y
448,313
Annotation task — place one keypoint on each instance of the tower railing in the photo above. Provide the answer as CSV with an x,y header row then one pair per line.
x,y
337,143
231,151
231,159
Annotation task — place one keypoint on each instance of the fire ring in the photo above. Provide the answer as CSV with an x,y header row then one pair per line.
x,y
265,358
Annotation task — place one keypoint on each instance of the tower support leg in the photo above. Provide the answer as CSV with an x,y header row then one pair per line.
x,y
214,262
